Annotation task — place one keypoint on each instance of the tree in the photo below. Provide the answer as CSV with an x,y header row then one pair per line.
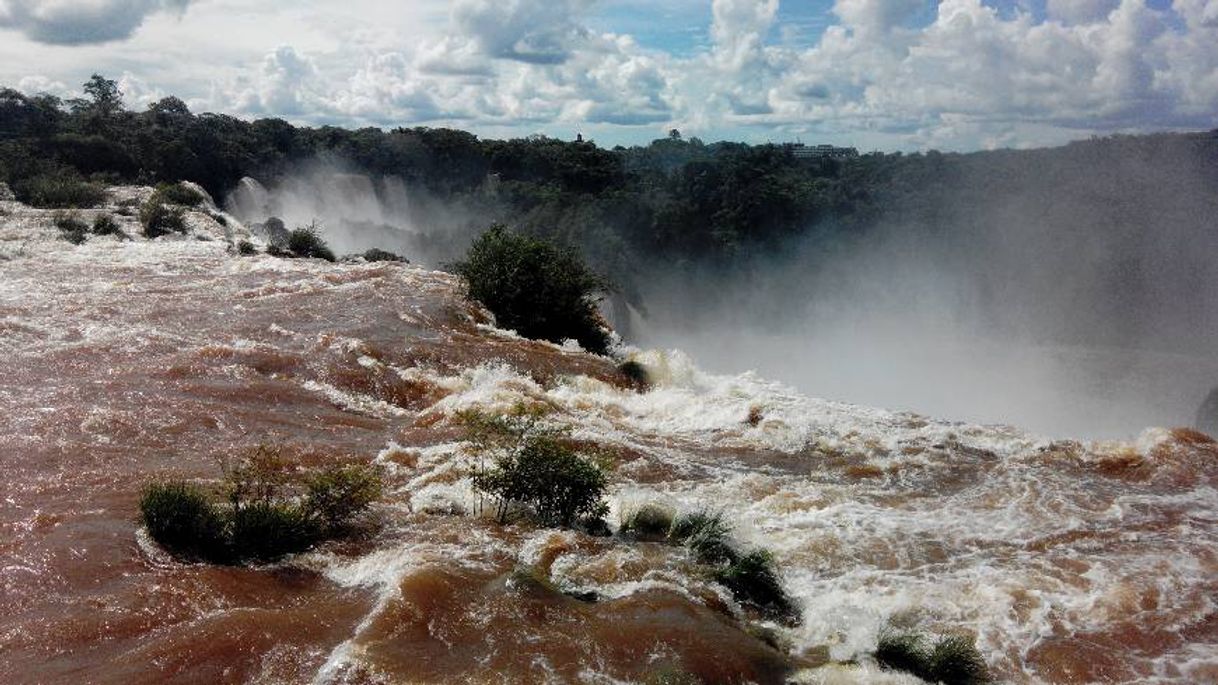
x,y
535,288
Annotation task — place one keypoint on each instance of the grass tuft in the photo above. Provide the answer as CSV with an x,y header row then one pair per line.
x,y
71,227
953,660
753,578
648,521
183,519
105,224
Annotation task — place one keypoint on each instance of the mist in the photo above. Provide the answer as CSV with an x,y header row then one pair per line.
x,y
355,212
1085,312
1079,305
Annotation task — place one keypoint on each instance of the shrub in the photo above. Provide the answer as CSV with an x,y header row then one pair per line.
x,y
71,227
183,520
58,191
270,509
535,288
246,248
267,530
105,224
752,578
533,467
159,219
179,194
336,495
649,520
306,241
953,660
378,255
276,251
220,219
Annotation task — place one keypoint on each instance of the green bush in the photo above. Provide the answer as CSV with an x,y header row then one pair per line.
x,y
71,227
336,495
159,219
270,509
752,578
953,660
378,255
306,241
246,248
179,194
183,520
535,288
649,521
63,190
105,224
534,467
265,531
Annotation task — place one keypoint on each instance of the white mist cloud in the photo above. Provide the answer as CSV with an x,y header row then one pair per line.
x,y
74,22
958,74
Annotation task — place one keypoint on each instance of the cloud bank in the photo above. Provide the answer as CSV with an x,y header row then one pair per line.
x,y
956,74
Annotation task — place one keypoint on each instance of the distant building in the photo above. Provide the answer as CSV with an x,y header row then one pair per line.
x,y
801,151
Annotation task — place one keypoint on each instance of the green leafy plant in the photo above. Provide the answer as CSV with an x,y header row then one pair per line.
x,y
159,219
62,190
71,227
339,493
105,224
179,194
535,288
534,467
376,254
306,241
268,507
183,519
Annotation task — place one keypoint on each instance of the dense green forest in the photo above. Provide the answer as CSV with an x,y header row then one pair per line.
x,y
676,202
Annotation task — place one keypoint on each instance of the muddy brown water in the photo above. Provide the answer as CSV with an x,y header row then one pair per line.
x,y
130,362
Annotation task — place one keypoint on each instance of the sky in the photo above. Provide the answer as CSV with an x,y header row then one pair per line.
x,y
874,74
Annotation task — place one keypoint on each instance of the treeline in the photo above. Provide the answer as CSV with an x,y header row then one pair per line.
x,y
676,201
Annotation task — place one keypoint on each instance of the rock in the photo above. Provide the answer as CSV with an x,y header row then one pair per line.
x,y
6,193
273,231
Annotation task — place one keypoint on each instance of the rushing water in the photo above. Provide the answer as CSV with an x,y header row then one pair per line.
x,y
129,361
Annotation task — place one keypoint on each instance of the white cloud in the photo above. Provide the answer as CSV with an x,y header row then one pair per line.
x,y
74,22
960,74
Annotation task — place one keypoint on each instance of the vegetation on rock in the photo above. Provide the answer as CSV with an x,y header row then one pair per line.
x,y
535,288
267,507
951,660
524,465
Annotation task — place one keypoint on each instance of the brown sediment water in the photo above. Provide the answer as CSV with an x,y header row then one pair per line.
x,y
128,362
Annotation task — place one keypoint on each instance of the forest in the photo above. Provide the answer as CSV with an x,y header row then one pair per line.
x,y
678,202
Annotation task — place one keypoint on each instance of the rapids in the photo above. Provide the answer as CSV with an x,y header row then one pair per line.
x,y
133,360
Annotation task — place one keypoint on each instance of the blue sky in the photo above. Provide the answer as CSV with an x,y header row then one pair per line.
x,y
878,74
